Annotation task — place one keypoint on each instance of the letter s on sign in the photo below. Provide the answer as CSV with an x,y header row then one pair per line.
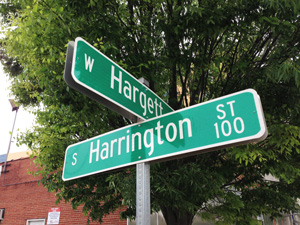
x,y
75,160
221,111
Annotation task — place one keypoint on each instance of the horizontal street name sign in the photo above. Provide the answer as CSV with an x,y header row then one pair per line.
x,y
95,75
234,119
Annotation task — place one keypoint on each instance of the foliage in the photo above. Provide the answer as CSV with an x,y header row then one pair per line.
x,y
190,51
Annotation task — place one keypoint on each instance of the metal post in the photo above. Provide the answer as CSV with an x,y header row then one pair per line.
x,y
4,170
143,194
143,187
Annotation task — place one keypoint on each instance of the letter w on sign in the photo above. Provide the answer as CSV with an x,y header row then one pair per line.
x,y
88,62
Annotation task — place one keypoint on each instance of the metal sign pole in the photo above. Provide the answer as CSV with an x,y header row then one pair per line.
x,y
143,194
143,186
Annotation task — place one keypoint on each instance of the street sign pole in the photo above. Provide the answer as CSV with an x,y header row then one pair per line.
x,y
143,194
96,76
143,205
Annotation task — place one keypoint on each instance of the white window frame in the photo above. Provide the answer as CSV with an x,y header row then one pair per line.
x,y
36,220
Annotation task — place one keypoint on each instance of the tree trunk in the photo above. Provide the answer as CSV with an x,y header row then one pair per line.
x,y
177,217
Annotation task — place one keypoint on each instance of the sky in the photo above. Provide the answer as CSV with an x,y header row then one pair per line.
x,y
24,119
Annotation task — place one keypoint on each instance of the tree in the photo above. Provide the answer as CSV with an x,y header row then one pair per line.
x,y
190,51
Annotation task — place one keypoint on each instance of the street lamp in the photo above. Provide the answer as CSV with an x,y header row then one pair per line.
x,y
14,108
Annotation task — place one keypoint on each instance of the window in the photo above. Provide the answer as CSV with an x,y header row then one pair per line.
x,y
36,222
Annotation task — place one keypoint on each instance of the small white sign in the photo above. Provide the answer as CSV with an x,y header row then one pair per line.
x,y
53,216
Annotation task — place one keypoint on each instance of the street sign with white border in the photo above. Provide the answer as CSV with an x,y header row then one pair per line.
x,y
234,119
95,75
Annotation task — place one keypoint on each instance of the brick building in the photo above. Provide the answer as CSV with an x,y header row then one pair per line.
x,y
27,203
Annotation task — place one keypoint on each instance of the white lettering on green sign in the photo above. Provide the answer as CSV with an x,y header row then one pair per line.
x,y
138,140
230,120
226,126
130,92
134,94
88,63
97,76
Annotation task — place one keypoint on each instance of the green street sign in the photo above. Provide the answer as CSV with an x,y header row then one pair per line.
x,y
95,75
235,119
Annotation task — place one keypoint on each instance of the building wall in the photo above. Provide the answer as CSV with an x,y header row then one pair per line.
x,y
23,199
